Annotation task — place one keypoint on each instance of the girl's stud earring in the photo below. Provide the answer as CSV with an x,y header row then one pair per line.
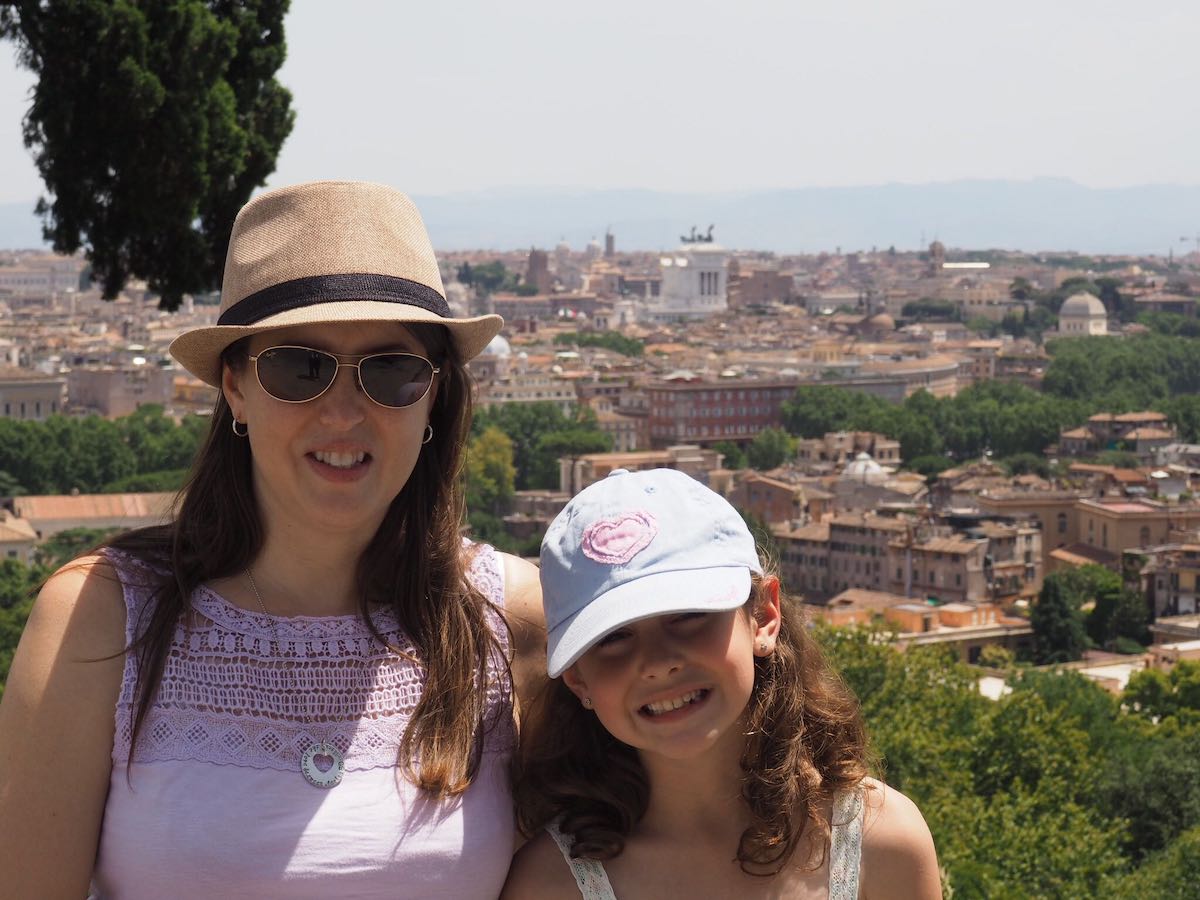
x,y
762,646
587,702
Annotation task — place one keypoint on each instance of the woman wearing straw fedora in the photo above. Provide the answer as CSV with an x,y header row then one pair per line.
x,y
313,675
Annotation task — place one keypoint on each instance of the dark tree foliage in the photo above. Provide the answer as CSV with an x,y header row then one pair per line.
x,y
610,340
770,448
1058,632
18,583
928,309
488,277
540,434
734,456
61,548
151,123
143,451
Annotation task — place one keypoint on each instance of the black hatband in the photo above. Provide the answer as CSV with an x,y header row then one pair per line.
x,y
328,289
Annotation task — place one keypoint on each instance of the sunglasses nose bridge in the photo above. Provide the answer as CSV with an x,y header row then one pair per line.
x,y
357,376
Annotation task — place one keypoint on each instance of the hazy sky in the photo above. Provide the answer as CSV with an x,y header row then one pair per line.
x,y
453,96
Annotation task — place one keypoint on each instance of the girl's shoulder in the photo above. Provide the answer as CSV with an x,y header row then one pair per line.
x,y
897,848
539,872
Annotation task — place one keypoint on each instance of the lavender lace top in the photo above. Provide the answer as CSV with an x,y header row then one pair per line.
x,y
215,803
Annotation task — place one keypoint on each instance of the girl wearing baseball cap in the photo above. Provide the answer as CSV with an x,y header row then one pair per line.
x,y
693,742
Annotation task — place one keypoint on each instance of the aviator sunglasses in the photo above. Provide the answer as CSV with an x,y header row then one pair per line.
x,y
300,374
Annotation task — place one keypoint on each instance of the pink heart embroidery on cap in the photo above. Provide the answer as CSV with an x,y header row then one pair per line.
x,y
618,540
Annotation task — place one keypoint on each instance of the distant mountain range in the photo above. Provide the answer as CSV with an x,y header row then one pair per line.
x,y
1043,214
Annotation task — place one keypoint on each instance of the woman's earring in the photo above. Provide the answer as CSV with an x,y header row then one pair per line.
x,y
762,647
587,702
428,434
245,428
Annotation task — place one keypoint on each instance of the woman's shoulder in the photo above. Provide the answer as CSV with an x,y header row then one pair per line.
x,y
87,589
82,607
78,617
897,848
540,872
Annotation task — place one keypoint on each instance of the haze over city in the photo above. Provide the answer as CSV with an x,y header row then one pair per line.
x,y
475,105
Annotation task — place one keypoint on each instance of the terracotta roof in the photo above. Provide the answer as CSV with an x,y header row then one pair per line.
x,y
773,482
817,532
1145,416
862,598
1150,434
883,523
1125,476
1083,555
1078,433
956,545
12,373
94,506
16,531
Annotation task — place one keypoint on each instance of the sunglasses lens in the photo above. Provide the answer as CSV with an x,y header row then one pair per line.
x,y
396,379
295,373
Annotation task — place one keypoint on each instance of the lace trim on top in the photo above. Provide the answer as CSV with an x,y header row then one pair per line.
x,y
589,873
243,688
845,845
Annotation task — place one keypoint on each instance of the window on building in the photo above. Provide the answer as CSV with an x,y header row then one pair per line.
x,y
1062,523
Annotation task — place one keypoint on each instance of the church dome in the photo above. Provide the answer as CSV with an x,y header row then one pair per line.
x,y
1082,304
498,346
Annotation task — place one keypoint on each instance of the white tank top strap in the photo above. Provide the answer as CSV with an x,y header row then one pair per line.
x,y
845,844
589,873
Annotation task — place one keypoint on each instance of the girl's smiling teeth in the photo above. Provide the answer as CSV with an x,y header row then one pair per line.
x,y
661,707
339,459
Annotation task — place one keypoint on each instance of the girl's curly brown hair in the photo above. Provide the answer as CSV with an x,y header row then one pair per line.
x,y
805,744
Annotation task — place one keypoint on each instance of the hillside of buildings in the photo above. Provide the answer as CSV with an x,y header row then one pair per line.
x,y
976,471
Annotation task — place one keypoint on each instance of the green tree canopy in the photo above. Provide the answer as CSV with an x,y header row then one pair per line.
x,y
610,340
151,124
1158,695
1058,632
734,456
770,448
541,433
930,309
143,451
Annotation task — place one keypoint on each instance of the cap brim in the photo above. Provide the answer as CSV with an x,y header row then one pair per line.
x,y
199,351
695,590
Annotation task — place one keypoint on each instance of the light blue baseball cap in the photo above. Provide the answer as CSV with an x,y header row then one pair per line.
x,y
636,545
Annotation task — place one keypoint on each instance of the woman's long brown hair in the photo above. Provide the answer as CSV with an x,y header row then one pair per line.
x,y
805,744
414,564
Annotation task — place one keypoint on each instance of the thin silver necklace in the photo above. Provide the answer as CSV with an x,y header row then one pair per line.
x,y
322,764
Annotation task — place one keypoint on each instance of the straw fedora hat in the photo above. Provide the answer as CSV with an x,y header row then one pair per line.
x,y
322,252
